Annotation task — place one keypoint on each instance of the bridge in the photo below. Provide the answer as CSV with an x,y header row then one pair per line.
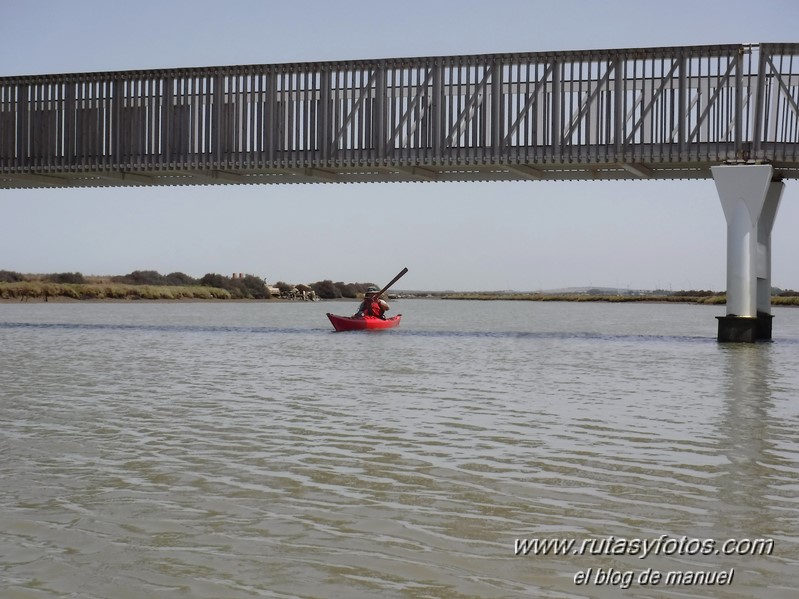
x,y
730,112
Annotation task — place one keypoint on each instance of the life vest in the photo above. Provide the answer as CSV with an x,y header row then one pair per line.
x,y
374,308
371,307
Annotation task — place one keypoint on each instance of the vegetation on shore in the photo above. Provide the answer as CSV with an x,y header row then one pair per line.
x,y
779,298
150,285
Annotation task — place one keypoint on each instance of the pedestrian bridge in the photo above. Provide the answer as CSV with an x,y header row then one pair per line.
x,y
651,113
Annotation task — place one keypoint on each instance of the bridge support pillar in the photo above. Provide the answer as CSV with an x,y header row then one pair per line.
x,y
750,200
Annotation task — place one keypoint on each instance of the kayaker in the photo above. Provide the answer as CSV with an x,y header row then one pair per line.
x,y
371,305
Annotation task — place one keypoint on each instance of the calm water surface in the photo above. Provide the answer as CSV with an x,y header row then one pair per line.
x,y
214,450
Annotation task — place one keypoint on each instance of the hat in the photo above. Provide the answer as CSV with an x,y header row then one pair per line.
x,y
372,289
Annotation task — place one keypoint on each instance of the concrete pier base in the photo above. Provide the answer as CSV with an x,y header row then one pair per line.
x,y
745,329
749,197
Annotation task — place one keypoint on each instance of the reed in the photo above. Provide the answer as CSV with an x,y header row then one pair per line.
x,y
583,297
39,290
790,300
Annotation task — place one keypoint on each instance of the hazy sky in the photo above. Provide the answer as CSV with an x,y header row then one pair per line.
x,y
463,236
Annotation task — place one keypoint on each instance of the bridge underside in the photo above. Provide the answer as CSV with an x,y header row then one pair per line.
x,y
371,173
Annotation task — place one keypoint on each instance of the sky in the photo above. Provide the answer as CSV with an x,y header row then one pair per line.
x,y
525,236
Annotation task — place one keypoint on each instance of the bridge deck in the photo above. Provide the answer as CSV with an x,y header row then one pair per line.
x,y
659,113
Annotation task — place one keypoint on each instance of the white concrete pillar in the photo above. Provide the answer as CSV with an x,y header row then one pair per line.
x,y
750,200
764,227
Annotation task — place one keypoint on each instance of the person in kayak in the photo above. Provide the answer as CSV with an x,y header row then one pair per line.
x,y
372,305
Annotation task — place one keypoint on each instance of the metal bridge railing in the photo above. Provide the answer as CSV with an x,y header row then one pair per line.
x,y
640,112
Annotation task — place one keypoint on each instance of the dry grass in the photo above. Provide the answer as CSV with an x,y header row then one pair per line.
x,y
776,300
99,291
581,297
791,300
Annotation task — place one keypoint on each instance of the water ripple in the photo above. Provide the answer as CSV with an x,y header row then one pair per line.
x,y
237,460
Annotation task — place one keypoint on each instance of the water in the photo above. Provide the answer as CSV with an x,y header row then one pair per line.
x,y
238,450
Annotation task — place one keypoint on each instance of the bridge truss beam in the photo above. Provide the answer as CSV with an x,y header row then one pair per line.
x,y
656,113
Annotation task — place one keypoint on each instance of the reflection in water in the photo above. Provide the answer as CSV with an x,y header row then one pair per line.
x,y
757,490
749,434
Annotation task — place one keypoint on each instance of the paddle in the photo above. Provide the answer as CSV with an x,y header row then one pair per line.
x,y
394,280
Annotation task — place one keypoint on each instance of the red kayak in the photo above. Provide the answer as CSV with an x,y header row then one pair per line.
x,y
352,323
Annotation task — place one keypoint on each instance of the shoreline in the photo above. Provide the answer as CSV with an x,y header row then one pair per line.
x,y
790,303
60,299
69,297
